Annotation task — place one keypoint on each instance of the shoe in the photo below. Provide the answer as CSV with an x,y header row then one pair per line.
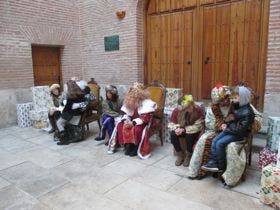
x,y
187,159
180,158
210,166
110,152
51,131
99,138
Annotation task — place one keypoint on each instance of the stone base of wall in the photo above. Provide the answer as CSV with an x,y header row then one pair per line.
x,y
8,100
271,105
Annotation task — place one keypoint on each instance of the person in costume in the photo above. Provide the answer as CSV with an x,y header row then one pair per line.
x,y
133,129
187,122
110,110
78,96
216,115
54,110
236,129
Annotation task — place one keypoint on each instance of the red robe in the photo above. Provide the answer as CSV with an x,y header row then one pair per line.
x,y
137,134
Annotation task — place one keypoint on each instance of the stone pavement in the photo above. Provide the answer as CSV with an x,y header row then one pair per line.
x,y
35,173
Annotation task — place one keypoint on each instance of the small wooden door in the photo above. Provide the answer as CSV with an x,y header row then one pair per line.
x,y
46,65
231,45
169,57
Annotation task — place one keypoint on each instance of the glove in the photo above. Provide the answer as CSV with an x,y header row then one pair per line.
x,y
83,106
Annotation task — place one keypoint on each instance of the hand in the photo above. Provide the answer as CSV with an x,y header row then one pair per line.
x,y
230,118
128,124
179,131
51,113
223,126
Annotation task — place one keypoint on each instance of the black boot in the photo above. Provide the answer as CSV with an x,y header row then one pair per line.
x,y
133,151
62,138
127,149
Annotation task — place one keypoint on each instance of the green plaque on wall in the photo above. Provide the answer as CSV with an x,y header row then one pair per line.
x,y
111,43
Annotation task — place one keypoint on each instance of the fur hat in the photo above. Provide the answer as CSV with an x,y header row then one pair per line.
x,y
219,92
112,89
54,86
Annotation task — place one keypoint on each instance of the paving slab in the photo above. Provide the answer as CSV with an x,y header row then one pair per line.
x,y
33,179
14,144
157,178
72,196
7,159
45,158
168,163
210,192
4,183
13,198
139,196
125,167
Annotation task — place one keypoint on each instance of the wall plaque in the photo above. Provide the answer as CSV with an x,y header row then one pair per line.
x,y
111,43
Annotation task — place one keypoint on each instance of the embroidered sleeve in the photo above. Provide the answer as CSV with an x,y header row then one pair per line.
x,y
196,127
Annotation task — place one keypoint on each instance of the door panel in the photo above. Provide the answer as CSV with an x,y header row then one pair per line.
x,y
170,49
46,65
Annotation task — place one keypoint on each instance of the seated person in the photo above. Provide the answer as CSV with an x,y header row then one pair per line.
x,y
133,129
54,111
216,115
186,124
77,98
110,109
237,127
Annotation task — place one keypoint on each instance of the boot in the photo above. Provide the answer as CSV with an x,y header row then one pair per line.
x,y
52,123
180,158
62,138
187,159
127,149
133,151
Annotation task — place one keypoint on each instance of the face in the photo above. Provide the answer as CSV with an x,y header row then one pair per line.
x,y
235,99
55,92
225,102
109,95
190,108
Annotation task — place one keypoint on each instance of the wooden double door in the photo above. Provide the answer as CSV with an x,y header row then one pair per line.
x,y
197,45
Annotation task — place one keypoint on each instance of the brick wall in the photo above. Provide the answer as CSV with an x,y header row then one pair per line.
x,y
272,89
118,67
27,22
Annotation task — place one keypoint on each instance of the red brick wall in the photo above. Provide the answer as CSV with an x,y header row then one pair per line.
x,y
27,22
272,88
98,19
273,53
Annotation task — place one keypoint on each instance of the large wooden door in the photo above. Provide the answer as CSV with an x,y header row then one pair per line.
x,y
231,44
46,65
194,44
170,49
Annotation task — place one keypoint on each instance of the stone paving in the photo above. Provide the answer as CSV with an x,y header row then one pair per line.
x,y
35,173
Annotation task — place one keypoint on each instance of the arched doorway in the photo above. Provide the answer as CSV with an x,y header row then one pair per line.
x,y
194,44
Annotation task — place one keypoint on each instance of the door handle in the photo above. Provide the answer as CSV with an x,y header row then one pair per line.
x,y
189,62
206,60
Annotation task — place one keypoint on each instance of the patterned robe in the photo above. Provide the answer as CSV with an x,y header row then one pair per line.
x,y
215,117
